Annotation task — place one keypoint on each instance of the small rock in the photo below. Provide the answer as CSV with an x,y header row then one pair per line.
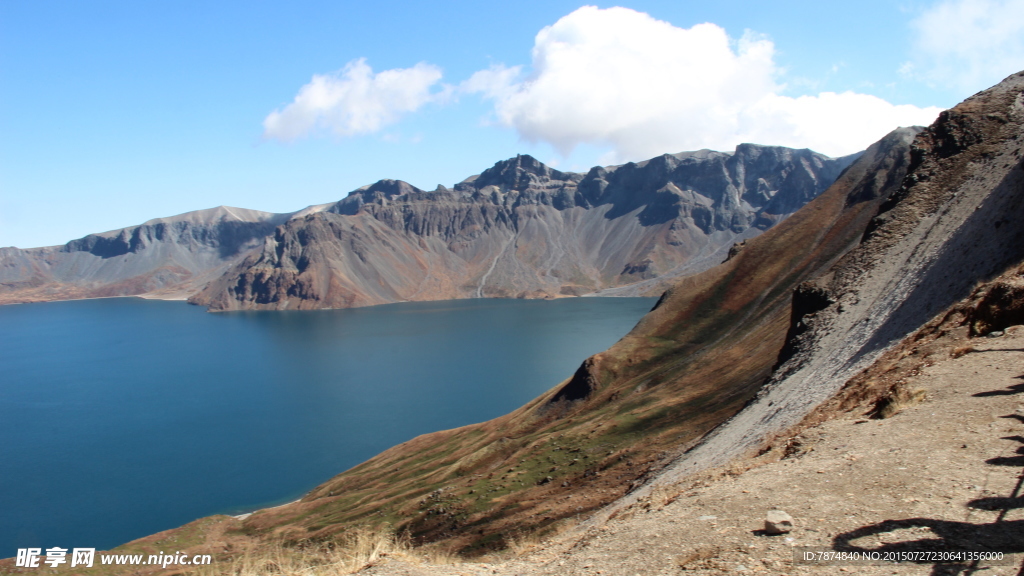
x,y
708,518
777,522
995,334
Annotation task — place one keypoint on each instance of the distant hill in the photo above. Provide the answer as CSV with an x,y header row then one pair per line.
x,y
518,229
165,257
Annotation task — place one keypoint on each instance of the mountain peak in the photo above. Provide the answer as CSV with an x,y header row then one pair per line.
x,y
381,190
518,173
387,187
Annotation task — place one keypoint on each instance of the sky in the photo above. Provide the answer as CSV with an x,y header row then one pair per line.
x,y
116,112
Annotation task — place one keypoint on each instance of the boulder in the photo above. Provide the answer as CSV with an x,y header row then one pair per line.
x,y
778,522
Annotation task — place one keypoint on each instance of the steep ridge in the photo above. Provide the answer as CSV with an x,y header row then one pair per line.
x,y
167,257
523,229
690,364
956,220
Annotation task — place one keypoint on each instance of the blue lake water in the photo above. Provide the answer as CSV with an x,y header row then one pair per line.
x,y
123,417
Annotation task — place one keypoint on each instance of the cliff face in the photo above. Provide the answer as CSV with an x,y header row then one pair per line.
x,y
167,256
523,229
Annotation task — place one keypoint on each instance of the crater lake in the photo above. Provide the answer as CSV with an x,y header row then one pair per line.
x,y
123,417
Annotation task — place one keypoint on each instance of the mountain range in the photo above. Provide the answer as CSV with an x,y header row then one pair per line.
x,y
518,229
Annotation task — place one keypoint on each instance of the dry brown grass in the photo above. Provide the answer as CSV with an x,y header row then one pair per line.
x,y
348,554
521,544
897,400
438,553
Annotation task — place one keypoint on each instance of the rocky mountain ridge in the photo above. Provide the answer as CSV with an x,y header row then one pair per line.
x,y
164,257
523,229
957,219
519,228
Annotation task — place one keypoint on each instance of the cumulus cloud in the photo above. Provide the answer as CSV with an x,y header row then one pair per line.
x,y
968,44
354,101
643,86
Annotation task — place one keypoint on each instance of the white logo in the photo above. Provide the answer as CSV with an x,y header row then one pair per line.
x,y
29,557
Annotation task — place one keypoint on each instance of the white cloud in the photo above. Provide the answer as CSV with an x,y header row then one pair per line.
x,y
830,123
622,78
968,44
354,101
493,82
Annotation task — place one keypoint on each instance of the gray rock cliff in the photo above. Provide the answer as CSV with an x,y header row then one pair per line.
x,y
523,229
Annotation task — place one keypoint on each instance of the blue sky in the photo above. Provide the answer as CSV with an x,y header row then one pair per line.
x,y
113,113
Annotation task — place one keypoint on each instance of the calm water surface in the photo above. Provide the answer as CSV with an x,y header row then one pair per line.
x,y
123,417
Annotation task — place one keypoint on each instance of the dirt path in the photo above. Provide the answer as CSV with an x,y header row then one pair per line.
x,y
942,474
